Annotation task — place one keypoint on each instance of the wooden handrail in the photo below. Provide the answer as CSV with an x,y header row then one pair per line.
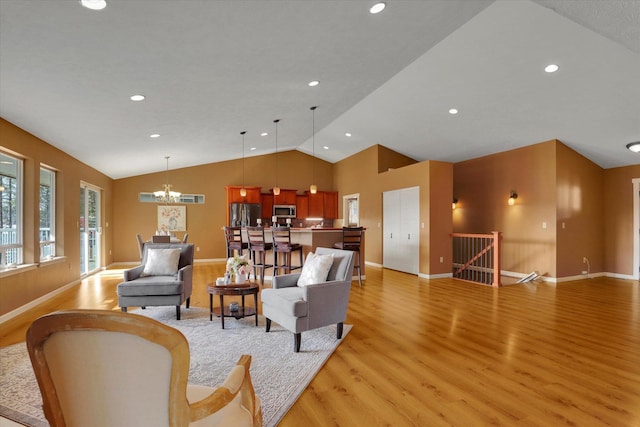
x,y
492,248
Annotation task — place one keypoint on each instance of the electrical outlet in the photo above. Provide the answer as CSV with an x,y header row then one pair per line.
x,y
198,249
584,272
441,259
584,260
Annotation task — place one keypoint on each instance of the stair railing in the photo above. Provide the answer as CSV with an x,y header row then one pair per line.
x,y
476,257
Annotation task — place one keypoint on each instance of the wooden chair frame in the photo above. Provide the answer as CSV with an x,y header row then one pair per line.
x,y
181,412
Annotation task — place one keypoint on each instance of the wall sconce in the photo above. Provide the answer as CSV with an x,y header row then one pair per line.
x,y
455,202
512,198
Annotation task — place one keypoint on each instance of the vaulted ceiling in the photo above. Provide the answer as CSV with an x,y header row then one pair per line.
x,y
211,69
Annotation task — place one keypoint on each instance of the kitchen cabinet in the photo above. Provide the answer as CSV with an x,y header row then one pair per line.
x,y
286,197
323,204
330,205
316,205
302,207
267,206
233,195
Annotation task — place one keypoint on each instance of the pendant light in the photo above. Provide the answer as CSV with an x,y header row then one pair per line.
x,y
166,195
276,189
313,189
243,191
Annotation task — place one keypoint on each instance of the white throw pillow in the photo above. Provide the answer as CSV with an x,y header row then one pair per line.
x,y
315,269
162,262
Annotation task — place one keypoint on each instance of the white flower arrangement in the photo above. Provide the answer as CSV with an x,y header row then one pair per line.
x,y
239,265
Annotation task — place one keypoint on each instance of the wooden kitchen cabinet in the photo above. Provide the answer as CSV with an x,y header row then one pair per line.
x,y
316,205
330,205
286,197
302,207
267,206
233,194
323,204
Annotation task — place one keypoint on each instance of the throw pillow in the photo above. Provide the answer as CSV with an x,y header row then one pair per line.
x,y
315,269
162,262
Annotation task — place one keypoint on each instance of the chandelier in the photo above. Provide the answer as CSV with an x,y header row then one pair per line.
x,y
167,196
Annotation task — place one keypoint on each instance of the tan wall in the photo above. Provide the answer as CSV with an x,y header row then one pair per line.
x,y
547,177
359,174
579,187
389,159
205,222
482,187
19,289
618,219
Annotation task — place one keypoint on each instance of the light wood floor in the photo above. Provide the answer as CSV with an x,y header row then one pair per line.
x,y
442,352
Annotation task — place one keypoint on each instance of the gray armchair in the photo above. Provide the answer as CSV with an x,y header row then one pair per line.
x,y
300,309
162,285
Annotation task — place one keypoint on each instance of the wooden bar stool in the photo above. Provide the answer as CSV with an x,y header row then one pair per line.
x,y
282,245
233,237
351,241
258,249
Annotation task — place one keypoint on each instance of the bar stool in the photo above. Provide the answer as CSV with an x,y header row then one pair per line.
x,y
233,237
258,249
351,241
282,245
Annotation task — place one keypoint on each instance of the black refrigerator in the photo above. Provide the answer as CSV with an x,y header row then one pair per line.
x,y
244,214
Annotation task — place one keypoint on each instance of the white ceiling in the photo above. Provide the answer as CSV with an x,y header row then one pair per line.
x,y
211,69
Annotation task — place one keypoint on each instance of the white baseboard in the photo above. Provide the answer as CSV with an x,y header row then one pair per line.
x,y
435,276
35,302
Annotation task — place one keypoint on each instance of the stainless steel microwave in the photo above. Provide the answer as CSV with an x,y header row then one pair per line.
x,y
284,211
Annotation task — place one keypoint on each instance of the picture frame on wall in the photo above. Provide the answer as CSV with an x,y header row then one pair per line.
x,y
172,218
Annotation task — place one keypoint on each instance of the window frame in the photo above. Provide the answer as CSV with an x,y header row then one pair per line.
x,y
18,246
48,246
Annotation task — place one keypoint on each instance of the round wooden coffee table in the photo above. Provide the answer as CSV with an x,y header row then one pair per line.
x,y
233,289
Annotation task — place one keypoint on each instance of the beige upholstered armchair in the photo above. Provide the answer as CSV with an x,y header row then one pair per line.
x,y
317,296
163,278
104,368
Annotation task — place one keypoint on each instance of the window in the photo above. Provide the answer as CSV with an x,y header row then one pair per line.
x,y
10,211
47,214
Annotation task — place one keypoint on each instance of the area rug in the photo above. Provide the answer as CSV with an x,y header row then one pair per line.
x,y
279,375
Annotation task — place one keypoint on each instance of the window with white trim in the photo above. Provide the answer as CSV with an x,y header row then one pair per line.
x,y
47,214
11,185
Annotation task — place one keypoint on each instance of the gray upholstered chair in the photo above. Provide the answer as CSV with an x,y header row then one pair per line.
x,y
163,278
110,369
322,303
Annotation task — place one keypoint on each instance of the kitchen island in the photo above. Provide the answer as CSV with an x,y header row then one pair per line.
x,y
310,239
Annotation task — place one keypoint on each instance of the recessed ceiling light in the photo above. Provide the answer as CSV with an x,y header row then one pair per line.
x,y
551,68
347,134
378,7
314,83
94,4
264,134
634,146
154,135
453,111
137,97
325,147
252,148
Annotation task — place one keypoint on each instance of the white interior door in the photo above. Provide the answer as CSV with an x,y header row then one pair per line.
x,y
391,230
401,230
410,229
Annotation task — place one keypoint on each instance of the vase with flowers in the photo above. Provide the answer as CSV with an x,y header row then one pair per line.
x,y
240,266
